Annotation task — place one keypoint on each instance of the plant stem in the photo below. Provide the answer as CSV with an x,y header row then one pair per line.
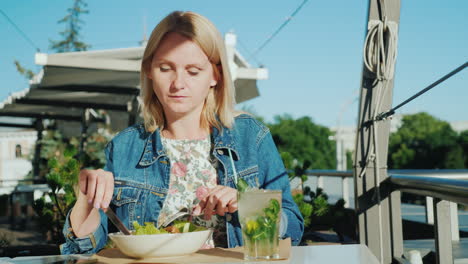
x,y
57,203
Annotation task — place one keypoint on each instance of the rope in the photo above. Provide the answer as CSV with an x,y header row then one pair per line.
x,y
21,32
390,112
288,19
380,50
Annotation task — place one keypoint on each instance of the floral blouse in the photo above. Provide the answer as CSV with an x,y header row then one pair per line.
x,y
192,175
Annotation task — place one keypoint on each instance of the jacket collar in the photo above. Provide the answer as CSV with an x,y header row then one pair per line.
x,y
222,140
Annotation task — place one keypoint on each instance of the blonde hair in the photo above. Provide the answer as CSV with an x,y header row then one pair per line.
x,y
218,110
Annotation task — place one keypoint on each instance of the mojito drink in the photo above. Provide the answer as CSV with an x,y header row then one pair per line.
x,y
259,214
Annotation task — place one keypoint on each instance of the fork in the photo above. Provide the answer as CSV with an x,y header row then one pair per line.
x,y
170,219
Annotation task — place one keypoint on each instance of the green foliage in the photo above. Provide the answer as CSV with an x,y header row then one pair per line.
x,y
304,140
315,206
349,159
47,215
71,33
463,143
62,178
71,36
319,201
298,169
295,168
424,142
242,185
305,208
61,164
288,161
27,73
93,155
320,204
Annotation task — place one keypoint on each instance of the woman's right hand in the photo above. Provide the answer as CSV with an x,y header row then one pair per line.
x,y
97,186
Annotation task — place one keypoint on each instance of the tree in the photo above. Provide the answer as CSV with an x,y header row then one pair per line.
x,y
424,142
463,143
71,36
304,140
71,33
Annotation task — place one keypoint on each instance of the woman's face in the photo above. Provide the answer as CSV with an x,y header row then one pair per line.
x,y
182,76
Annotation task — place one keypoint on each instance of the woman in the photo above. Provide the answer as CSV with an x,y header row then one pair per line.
x,y
183,155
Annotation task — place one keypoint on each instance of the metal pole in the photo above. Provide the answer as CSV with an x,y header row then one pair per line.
x,y
85,120
455,229
338,150
320,182
442,228
429,210
343,155
39,125
380,226
345,190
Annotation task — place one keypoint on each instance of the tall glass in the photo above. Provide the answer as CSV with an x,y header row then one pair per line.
x,y
259,215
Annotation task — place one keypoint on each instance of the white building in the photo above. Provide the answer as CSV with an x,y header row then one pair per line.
x,y
16,150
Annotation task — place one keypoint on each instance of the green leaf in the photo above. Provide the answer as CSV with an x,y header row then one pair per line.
x,y
321,206
70,151
275,206
242,185
69,198
73,165
54,181
52,163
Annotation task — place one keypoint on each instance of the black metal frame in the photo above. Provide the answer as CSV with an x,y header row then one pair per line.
x,y
77,104
93,89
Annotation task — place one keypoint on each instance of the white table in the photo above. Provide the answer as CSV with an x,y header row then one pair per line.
x,y
330,254
326,254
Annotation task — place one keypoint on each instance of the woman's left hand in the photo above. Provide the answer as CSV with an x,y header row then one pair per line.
x,y
219,200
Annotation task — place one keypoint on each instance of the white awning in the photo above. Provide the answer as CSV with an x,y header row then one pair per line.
x,y
104,79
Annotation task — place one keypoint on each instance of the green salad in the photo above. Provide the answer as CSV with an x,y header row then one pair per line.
x,y
177,227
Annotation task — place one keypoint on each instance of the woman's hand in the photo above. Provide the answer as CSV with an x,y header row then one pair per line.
x,y
98,186
96,190
219,200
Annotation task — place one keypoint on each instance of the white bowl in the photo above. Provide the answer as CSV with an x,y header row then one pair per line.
x,y
160,245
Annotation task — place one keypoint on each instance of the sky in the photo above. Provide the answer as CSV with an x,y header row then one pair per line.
x,y
314,62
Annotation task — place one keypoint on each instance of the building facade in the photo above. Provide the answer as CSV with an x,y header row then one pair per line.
x,y
16,151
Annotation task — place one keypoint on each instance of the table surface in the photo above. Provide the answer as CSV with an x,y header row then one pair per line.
x,y
328,254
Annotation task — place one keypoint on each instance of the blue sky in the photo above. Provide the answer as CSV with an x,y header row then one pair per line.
x,y
314,63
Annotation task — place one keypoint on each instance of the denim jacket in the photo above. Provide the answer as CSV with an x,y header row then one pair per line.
x,y
141,177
